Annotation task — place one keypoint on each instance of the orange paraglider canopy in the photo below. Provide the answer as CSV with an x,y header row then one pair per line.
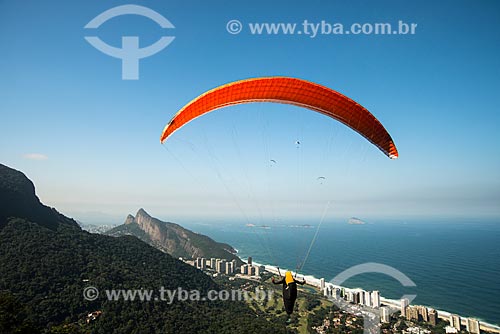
x,y
292,91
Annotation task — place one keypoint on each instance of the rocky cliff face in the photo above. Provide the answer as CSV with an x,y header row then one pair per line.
x,y
18,199
172,238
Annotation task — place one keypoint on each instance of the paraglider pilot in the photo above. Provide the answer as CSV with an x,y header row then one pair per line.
x,y
289,290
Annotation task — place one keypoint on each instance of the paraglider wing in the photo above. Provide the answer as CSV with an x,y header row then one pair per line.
x,y
292,91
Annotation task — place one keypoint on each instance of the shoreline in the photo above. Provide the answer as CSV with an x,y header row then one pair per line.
x,y
316,282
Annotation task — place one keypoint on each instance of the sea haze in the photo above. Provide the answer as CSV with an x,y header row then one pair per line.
x,y
455,265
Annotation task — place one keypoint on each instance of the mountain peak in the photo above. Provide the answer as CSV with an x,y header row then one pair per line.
x,y
142,213
130,219
173,238
19,200
14,181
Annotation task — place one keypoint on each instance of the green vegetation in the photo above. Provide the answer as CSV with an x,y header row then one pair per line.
x,y
46,271
46,261
13,316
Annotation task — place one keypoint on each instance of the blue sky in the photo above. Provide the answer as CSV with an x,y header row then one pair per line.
x,y
90,141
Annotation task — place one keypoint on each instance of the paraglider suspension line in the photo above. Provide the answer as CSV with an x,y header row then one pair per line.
x,y
313,241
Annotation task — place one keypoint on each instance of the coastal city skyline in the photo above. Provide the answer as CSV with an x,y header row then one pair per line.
x,y
371,300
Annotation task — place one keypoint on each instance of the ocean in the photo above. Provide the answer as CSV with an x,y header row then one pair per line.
x,y
455,265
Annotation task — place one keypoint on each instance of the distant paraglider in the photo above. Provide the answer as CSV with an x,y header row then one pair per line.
x,y
292,91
